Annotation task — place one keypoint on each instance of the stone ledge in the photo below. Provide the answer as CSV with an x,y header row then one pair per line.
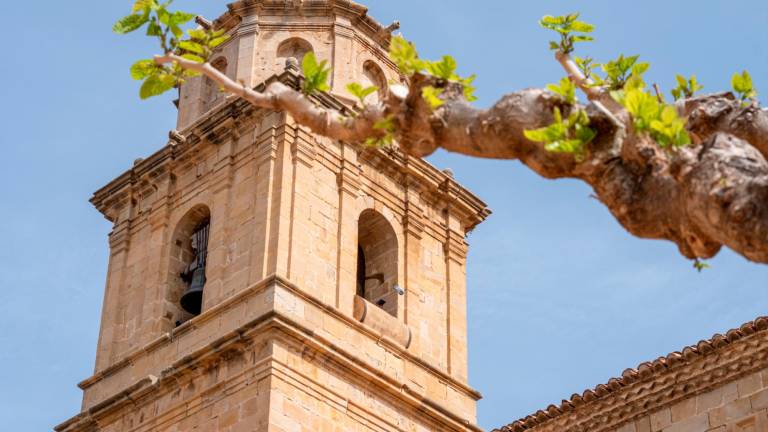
x,y
130,368
267,326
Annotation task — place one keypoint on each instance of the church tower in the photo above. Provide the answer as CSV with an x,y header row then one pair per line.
x,y
263,278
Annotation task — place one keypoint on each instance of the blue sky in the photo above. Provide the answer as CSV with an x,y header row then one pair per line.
x,y
560,297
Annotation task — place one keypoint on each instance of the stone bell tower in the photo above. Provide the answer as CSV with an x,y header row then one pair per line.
x,y
263,278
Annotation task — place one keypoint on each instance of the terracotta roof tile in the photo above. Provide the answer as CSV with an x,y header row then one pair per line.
x,y
643,372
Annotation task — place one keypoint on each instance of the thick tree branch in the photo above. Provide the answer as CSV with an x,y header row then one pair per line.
x,y
279,97
711,194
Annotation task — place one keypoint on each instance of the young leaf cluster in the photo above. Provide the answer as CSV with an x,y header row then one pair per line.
x,y
315,74
651,116
157,79
166,26
571,31
566,89
432,96
161,23
403,53
201,44
686,88
742,85
620,71
569,135
586,65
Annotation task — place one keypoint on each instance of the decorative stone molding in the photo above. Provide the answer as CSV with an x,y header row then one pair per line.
x,y
241,338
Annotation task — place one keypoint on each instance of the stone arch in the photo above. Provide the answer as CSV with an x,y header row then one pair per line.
x,y
295,47
182,256
211,93
378,257
373,75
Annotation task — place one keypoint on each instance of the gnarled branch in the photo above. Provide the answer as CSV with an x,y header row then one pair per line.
x,y
711,194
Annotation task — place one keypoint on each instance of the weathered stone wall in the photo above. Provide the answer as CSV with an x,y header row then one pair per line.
x,y
283,341
274,355
740,406
282,201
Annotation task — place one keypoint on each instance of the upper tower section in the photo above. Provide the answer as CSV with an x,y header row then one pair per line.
x,y
265,34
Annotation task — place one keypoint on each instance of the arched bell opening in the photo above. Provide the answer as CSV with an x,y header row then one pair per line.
x,y
188,261
295,48
377,262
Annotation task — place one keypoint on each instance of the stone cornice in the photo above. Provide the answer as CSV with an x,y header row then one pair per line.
x,y
214,312
240,338
356,13
655,385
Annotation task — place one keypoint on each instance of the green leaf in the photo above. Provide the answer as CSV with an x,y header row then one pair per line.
x,y
686,88
154,29
180,18
143,6
197,34
432,96
156,85
315,74
217,41
620,70
143,68
192,47
571,135
549,21
639,69
404,54
742,84
388,128
568,27
176,30
681,81
361,92
649,115
130,23
583,38
582,27
194,58
643,106
445,68
164,16
469,88
586,66
566,89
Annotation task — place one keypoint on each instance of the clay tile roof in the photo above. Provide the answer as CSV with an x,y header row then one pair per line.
x,y
635,378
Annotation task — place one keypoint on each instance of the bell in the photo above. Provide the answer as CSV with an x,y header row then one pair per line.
x,y
192,300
